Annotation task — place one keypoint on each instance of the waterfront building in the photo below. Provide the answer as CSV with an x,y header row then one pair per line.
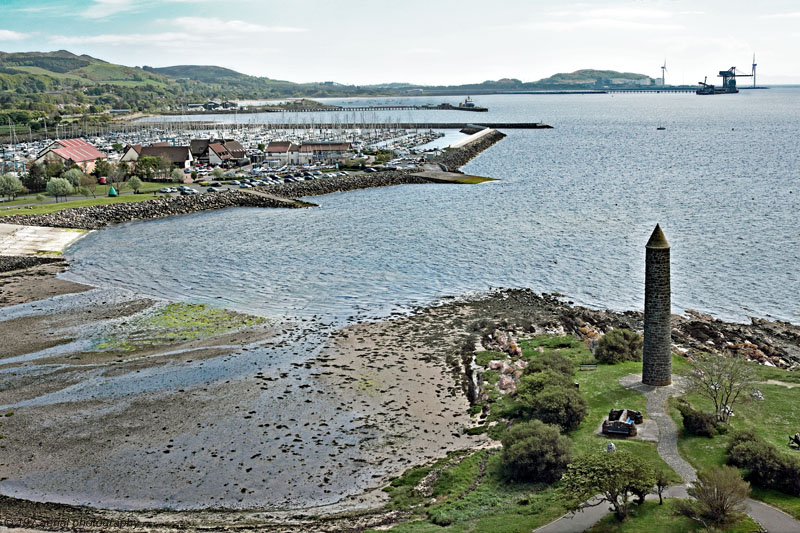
x,y
69,152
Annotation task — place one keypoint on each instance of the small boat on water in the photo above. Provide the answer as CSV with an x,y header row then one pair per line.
x,y
661,128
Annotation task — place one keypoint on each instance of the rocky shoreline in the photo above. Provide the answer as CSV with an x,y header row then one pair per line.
x,y
100,216
9,263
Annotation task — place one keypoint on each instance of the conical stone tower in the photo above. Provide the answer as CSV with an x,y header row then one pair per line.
x,y
656,361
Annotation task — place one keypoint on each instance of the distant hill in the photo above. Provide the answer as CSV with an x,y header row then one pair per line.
x,y
205,73
38,86
586,76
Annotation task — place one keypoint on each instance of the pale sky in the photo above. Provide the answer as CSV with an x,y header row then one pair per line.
x,y
427,42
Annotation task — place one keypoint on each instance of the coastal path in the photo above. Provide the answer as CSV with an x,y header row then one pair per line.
x,y
771,519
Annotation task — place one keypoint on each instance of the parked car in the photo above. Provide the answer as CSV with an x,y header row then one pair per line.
x,y
234,182
213,189
370,169
165,189
188,192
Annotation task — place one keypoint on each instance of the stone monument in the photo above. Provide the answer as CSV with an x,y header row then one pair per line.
x,y
656,360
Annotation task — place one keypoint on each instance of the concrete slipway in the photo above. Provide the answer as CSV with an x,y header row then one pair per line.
x,y
35,240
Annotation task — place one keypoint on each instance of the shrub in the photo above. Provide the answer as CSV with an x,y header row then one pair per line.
x,y
553,362
558,405
534,451
135,184
697,423
619,345
767,466
719,498
532,384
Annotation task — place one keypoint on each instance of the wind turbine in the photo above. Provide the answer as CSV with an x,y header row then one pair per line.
x,y
663,70
754,70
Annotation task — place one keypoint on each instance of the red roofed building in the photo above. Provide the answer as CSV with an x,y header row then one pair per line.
x,y
217,153
71,151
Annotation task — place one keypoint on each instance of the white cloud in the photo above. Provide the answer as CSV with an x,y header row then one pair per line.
x,y
237,26
101,9
603,24
117,39
10,35
792,15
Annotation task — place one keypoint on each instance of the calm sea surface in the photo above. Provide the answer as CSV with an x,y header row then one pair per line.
x,y
572,212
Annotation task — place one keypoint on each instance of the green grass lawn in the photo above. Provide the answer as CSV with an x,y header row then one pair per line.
x,y
602,392
774,418
465,499
650,516
52,207
458,505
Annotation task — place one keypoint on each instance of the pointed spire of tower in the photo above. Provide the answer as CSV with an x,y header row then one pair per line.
x,y
657,239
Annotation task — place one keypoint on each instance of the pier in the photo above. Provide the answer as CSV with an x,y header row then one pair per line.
x,y
365,125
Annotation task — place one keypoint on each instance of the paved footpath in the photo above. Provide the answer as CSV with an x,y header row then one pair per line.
x,y
771,519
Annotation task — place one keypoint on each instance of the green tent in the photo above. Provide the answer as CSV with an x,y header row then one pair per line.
x,y
112,191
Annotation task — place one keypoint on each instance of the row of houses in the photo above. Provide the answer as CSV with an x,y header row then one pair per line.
x,y
215,152
287,153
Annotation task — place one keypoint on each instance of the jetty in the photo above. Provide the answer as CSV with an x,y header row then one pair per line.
x,y
369,125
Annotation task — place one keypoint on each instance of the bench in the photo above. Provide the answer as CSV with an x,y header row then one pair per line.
x,y
588,366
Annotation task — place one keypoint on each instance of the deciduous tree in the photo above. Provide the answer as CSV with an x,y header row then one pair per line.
x,y
10,186
59,187
723,379
613,477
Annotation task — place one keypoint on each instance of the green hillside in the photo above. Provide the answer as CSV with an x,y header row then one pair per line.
x,y
38,88
205,73
589,76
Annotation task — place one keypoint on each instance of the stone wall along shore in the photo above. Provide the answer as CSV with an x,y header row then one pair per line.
x,y
342,183
99,216
19,262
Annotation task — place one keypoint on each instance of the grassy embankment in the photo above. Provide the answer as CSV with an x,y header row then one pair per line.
x,y
472,492
774,418
29,205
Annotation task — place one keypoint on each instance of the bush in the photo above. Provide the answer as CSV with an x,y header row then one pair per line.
x,y
697,423
534,451
135,184
553,362
767,466
530,385
619,345
558,405
719,498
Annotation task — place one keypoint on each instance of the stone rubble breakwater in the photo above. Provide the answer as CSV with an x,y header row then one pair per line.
x,y
343,183
454,159
99,216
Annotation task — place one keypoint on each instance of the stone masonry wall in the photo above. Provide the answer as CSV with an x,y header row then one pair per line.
x,y
657,364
